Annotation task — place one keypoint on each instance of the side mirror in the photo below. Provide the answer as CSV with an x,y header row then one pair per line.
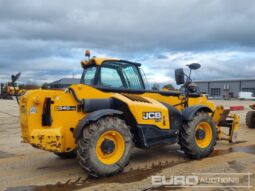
x,y
194,66
15,77
179,76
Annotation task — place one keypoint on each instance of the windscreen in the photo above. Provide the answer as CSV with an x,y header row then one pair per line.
x,y
120,75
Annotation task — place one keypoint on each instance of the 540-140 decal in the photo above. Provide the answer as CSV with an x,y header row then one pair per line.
x,y
65,108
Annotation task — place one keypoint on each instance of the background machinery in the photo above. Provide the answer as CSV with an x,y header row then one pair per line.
x,y
10,89
101,119
250,117
7,91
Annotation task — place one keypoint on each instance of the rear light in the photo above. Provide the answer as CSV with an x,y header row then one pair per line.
x,y
36,100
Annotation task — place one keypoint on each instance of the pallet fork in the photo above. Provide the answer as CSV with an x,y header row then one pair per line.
x,y
223,119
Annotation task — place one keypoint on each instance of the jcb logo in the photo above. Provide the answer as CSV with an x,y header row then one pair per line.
x,y
152,115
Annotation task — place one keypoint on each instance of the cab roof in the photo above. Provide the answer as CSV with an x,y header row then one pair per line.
x,y
99,61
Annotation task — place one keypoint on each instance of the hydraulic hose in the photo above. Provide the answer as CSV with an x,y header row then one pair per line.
x,y
75,96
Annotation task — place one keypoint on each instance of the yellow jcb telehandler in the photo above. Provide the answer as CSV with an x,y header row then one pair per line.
x,y
10,89
101,119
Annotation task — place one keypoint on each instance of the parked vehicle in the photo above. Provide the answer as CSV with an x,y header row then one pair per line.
x,y
245,95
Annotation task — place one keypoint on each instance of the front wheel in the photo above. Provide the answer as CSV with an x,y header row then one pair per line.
x,y
105,147
198,136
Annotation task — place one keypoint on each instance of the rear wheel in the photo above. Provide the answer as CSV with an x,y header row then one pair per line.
x,y
105,147
198,136
250,119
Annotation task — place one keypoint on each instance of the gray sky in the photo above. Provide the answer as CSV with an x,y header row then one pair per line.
x,y
45,39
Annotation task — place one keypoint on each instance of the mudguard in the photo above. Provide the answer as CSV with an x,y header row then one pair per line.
x,y
189,112
94,116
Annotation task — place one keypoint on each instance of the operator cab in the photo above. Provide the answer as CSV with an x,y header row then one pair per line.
x,y
120,76
113,75
116,74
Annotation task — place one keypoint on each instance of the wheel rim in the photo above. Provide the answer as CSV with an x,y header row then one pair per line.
x,y
110,147
203,135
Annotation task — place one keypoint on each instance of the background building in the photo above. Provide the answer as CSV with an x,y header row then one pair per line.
x,y
226,87
63,83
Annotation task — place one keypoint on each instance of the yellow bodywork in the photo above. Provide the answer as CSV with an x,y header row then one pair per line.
x,y
59,136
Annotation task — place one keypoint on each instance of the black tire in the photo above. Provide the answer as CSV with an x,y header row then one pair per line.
x,y
250,119
187,137
66,155
86,147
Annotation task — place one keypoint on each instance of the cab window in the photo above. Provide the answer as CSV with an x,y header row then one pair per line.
x,y
88,75
110,78
132,77
118,74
